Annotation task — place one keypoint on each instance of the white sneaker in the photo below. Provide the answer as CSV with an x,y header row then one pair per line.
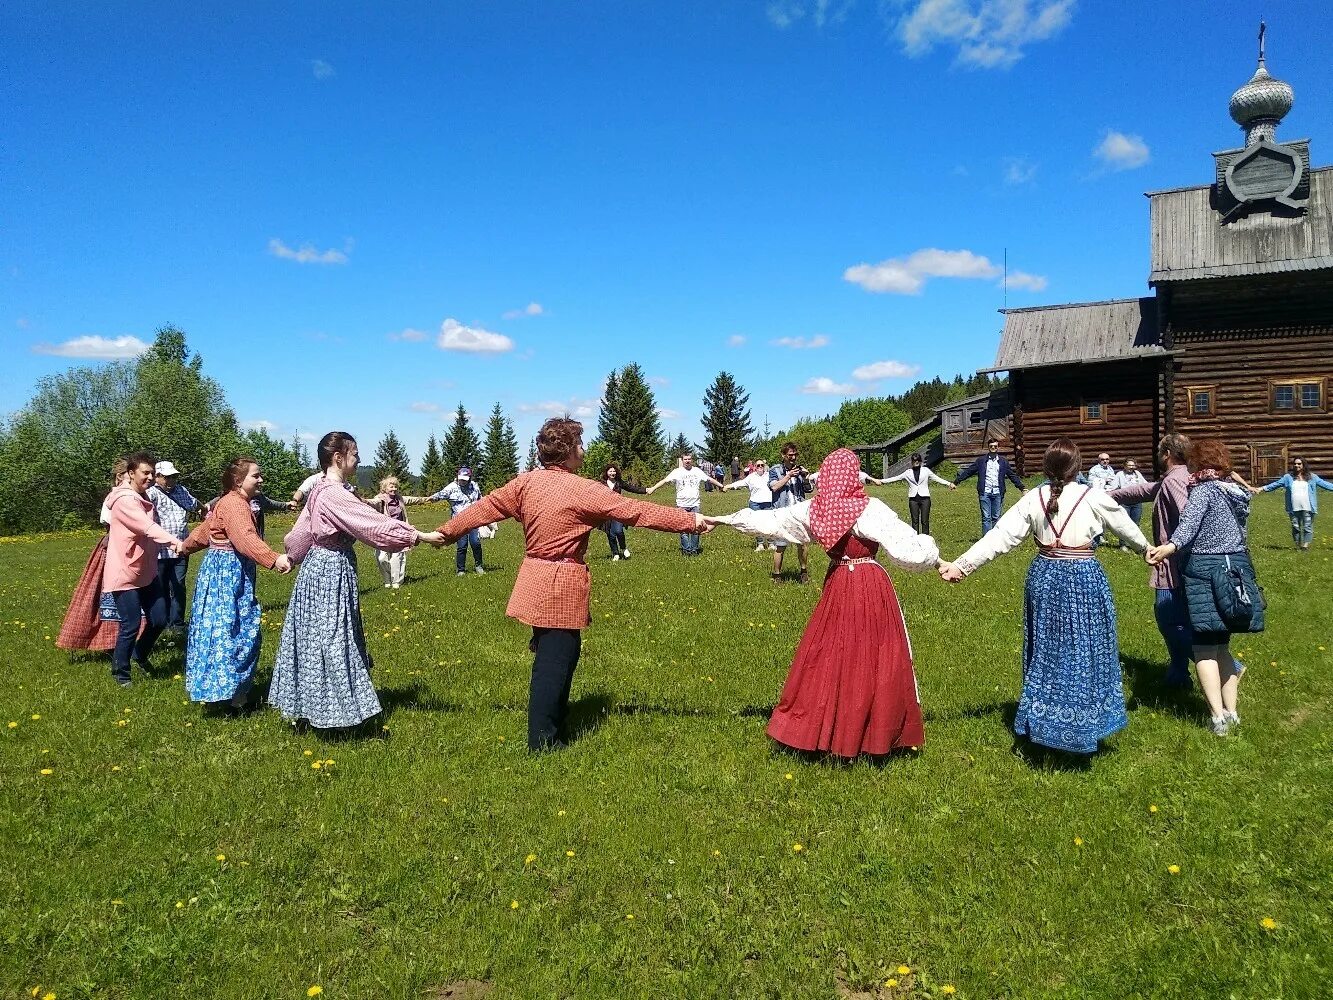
x,y
461,573
480,571
615,558
759,547
1234,719
1221,725
626,553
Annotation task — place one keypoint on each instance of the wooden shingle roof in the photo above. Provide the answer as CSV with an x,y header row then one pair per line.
x,y
1189,240
1079,333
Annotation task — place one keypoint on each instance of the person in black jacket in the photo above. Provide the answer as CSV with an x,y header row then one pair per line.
x,y
991,470
615,531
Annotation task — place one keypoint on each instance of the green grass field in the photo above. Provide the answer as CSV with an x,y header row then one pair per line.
x,y
148,851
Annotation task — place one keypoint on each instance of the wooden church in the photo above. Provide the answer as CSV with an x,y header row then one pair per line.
x,y
1236,339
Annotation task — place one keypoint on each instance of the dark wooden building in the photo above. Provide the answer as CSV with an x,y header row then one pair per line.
x,y
968,424
1236,341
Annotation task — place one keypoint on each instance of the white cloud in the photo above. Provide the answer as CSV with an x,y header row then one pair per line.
x,y
1023,280
877,370
908,275
575,407
784,13
321,69
409,334
1019,170
735,340
531,309
1119,151
306,253
424,407
668,414
821,386
267,426
22,323
987,34
307,436
454,336
658,380
101,348
801,343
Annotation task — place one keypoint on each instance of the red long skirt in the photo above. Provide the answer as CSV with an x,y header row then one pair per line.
x,y
84,627
851,689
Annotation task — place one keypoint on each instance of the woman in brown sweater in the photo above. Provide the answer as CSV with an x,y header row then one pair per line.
x,y
224,626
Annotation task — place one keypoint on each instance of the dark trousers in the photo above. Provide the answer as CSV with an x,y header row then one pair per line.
x,y
171,574
615,537
557,654
147,602
919,507
472,538
1173,621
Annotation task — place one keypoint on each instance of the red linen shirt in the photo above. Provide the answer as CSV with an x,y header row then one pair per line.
x,y
558,510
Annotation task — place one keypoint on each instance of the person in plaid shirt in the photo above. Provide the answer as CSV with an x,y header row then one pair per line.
x,y
173,505
558,510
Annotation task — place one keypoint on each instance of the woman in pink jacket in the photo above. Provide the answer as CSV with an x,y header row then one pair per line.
x,y
130,576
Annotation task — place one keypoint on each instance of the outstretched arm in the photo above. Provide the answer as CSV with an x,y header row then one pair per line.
x,y
788,524
904,547
503,503
1014,477
1009,532
966,473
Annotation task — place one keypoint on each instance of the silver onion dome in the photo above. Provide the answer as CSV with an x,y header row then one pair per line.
x,y
1264,98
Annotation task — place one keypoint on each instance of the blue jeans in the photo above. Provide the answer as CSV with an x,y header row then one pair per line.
x,y
1135,512
147,602
472,538
1302,526
992,505
171,574
689,542
615,537
1173,621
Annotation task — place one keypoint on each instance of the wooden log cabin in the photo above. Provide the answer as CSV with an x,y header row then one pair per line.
x,y
1237,340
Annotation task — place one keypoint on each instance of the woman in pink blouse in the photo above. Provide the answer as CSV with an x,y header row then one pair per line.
x,y
322,674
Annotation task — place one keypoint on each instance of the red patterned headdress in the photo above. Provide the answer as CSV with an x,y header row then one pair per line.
x,y
840,499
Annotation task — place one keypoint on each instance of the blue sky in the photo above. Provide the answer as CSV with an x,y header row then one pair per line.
x,y
363,214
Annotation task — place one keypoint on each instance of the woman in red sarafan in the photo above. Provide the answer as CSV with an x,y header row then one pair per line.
x,y
851,689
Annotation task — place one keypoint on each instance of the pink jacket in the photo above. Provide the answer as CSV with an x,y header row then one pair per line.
x,y
131,546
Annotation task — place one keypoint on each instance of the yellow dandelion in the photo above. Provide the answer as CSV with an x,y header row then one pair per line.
x,y
560,813
717,854
314,991
330,762
1173,869
316,766
307,753
629,916
948,989
569,854
115,767
1152,809
1078,841
175,677
49,996
1268,924
787,776
797,848
890,984
530,859
221,857
13,725
127,711
513,904
122,722
180,904
903,970
47,770
1272,663
35,717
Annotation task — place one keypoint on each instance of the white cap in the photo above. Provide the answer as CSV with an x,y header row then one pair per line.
x,y
166,469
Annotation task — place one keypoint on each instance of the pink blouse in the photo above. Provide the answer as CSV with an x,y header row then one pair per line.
x,y
333,519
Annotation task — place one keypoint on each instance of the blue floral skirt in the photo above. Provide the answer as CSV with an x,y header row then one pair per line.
x,y
224,638
322,673
1072,690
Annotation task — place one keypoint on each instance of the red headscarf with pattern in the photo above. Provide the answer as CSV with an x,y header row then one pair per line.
x,y
840,499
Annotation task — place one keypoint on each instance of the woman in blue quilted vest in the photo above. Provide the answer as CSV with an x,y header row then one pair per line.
x,y
1211,537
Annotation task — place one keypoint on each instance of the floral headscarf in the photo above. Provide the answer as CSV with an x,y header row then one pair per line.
x,y
840,499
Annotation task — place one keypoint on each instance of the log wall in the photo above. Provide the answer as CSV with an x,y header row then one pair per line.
x,y
1242,364
1048,404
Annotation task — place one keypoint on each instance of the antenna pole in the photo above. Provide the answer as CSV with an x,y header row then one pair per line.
x,y
1006,277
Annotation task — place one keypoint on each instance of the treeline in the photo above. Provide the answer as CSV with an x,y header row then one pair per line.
x,y
492,458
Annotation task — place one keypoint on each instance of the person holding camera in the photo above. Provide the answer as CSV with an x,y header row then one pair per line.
x,y
789,482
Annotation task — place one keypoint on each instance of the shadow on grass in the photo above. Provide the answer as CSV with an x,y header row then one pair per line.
x,y
413,698
1148,689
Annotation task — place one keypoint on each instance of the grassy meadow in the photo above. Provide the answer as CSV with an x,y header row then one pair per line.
x,y
149,851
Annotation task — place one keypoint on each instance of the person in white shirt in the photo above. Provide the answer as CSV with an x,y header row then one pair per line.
x,y
761,497
1072,692
918,479
688,480
1102,476
1130,478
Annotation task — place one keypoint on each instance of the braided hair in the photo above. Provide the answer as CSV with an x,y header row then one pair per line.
x,y
1061,464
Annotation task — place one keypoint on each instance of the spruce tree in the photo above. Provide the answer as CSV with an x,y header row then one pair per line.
x,y
608,420
679,445
461,447
391,459
638,433
726,421
433,476
500,463
532,456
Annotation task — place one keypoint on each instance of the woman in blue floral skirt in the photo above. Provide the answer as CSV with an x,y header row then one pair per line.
x,y
1072,691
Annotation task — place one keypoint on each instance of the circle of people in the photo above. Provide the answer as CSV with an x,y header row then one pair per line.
x,y
851,689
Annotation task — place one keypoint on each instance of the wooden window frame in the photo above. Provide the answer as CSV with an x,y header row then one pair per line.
x,y
1296,385
1102,416
1190,391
